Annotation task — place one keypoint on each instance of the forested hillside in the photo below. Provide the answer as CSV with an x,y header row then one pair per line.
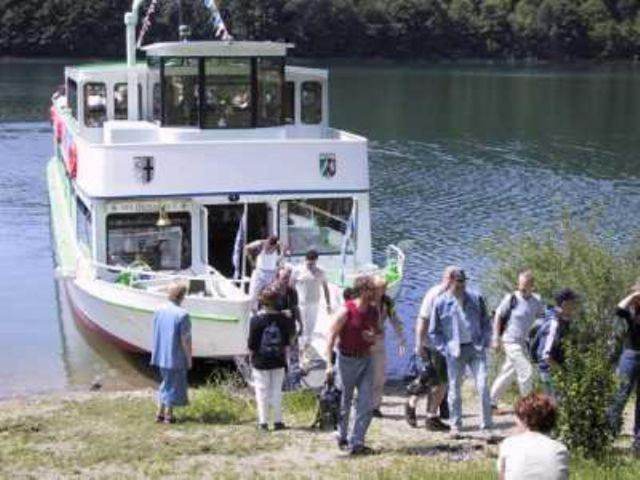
x,y
557,29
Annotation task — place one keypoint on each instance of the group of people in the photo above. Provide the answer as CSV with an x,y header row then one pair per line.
x,y
454,333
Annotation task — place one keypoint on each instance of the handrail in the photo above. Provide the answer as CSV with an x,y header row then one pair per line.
x,y
151,275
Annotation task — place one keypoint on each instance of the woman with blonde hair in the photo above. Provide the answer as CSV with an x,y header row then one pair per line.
x,y
171,352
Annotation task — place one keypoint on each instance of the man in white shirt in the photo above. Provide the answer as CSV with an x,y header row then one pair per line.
x,y
513,320
309,280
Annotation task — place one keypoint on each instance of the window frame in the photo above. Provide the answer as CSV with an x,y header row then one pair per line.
x,y
72,97
105,118
351,249
186,262
254,87
320,100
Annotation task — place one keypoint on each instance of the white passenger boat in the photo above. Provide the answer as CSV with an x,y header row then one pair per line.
x,y
162,170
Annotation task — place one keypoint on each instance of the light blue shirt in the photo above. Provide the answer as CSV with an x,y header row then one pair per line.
x,y
170,325
453,324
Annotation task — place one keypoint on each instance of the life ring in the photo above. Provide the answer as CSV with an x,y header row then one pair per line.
x,y
72,160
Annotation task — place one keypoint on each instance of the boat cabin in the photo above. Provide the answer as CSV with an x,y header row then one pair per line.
x,y
203,85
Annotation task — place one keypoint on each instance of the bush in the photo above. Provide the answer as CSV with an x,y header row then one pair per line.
x,y
219,401
573,256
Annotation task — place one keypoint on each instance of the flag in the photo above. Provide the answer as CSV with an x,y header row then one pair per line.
x,y
220,29
146,23
238,246
351,226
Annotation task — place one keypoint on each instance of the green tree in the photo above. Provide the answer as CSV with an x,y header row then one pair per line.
x,y
495,26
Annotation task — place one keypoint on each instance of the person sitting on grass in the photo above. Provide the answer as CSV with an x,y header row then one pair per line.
x,y
531,454
269,336
171,353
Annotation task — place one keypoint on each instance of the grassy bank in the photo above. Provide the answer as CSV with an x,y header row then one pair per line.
x,y
112,435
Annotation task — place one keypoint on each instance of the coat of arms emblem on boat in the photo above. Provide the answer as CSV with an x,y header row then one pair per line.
x,y
328,165
144,167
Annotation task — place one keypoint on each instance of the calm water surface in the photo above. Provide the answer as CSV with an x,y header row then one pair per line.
x,y
456,153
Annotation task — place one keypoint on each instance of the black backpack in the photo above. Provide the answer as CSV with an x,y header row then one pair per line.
x,y
537,336
271,341
503,319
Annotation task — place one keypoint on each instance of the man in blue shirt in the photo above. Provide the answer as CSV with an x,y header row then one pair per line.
x,y
460,330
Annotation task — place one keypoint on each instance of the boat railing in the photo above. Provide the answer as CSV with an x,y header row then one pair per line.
x,y
208,284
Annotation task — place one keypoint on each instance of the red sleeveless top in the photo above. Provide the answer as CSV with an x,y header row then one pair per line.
x,y
351,338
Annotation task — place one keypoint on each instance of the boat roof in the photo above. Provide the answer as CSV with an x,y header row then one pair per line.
x,y
217,48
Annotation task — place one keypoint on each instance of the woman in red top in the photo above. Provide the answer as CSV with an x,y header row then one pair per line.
x,y
355,328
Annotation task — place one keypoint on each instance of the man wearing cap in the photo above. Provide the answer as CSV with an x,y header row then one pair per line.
x,y
460,330
552,334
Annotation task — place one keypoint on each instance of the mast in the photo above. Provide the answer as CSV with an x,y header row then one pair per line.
x,y
131,21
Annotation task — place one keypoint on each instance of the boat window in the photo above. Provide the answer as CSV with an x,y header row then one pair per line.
x,y
227,93
72,97
288,106
319,223
95,104
120,101
83,224
134,237
311,102
156,101
270,84
180,95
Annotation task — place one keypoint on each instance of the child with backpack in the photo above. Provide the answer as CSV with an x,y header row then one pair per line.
x,y
269,334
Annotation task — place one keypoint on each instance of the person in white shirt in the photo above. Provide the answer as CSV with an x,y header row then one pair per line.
x,y
512,322
531,454
264,257
309,280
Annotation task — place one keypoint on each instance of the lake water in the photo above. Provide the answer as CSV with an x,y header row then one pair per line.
x,y
456,152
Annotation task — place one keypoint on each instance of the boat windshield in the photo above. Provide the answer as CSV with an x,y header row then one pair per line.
x,y
134,239
320,224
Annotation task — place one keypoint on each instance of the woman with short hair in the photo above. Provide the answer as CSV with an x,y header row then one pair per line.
x,y
171,353
532,454
269,336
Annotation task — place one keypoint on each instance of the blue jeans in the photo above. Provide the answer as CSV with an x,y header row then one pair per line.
x,y
355,373
456,367
547,380
629,373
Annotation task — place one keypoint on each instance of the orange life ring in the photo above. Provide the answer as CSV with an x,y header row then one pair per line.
x,y
72,161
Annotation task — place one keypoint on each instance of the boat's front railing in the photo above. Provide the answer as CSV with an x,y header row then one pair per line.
x,y
209,284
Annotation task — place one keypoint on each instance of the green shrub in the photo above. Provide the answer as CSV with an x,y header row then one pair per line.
x,y
573,256
219,401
